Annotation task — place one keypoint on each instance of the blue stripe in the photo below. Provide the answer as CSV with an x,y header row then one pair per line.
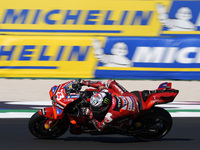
x,y
163,75
168,65
28,67
181,35
61,31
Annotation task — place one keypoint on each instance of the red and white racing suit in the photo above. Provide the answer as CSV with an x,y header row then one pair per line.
x,y
123,103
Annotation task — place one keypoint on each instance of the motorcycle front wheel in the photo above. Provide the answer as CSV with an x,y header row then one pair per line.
x,y
157,123
36,127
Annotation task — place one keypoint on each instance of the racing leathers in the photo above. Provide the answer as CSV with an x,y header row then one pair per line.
x,y
123,103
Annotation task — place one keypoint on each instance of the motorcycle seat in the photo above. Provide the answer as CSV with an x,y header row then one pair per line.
x,y
137,94
146,93
142,97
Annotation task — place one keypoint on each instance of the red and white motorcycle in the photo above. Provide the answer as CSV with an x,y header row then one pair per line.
x,y
151,123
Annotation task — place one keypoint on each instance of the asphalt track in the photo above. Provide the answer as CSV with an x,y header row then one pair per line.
x,y
184,135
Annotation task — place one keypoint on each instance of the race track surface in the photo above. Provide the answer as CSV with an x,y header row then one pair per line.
x,y
184,135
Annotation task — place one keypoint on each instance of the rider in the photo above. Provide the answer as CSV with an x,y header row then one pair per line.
x,y
110,103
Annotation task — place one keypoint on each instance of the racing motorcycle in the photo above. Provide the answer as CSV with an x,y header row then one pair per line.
x,y
152,123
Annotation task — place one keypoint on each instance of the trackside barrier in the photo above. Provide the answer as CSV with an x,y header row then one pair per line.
x,y
78,17
101,17
46,57
100,39
100,57
149,58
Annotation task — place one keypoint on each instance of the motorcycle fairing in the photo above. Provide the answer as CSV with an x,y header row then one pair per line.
x,y
160,98
60,101
53,91
62,97
148,98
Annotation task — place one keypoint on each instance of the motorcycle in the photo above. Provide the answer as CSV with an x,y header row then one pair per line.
x,y
152,123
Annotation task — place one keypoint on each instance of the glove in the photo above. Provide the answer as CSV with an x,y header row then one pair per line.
x,y
87,112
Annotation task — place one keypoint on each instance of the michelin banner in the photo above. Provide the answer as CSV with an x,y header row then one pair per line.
x,y
46,57
148,58
81,17
99,57
101,17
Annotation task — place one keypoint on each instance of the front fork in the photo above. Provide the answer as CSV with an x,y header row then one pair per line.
x,y
49,124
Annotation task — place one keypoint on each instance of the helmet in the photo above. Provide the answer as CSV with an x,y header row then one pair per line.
x,y
100,103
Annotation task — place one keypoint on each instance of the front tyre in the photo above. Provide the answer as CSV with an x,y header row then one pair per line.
x,y
36,127
157,123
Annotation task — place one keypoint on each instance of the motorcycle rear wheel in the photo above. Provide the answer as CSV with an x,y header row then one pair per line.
x,y
36,127
157,123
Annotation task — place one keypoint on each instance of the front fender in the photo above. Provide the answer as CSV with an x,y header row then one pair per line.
x,y
47,112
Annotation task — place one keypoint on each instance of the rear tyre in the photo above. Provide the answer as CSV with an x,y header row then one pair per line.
x,y
36,127
157,123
